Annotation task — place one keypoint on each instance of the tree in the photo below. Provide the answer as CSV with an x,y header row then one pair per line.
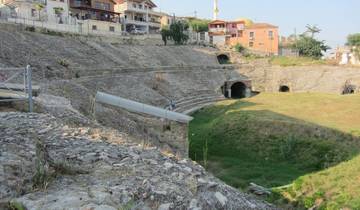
x,y
39,7
353,40
199,25
309,46
312,30
177,30
165,35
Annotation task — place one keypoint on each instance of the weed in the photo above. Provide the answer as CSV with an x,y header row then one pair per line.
x,y
14,205
128,206
63,63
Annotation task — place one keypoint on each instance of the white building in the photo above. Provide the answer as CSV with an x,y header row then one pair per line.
x,y
57,11
139,15
26,9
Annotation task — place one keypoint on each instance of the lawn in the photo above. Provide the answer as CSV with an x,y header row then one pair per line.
x,y
281,139
296,61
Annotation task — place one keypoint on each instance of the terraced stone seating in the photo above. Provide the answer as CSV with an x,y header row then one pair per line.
x,y
196,101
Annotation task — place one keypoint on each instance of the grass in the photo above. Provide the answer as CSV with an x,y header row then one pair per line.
x,y
274,140
296,61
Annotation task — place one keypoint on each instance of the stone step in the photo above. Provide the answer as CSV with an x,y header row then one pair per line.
x,y
196,99
190,106
191,98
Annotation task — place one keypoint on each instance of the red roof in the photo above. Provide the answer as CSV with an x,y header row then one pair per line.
x,y
260,25
217,22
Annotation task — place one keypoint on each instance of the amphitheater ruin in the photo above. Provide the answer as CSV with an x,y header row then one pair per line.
x,y
71,70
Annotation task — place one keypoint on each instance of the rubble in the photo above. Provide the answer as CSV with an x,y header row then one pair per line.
x,y
85,172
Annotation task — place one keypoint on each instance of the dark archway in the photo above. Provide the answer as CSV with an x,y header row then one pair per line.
x,y
223,59
284,89
238,90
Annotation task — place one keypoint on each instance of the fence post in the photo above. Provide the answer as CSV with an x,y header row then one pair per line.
x,y
28,76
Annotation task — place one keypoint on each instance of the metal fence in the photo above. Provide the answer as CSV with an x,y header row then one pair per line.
x,y
10,92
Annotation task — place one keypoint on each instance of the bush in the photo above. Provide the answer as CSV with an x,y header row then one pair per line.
x,y
239,48
30,28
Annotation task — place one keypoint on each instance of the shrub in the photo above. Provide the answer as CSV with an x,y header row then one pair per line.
x,y
239,48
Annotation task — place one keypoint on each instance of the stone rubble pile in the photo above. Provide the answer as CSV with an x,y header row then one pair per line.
x,y
99,174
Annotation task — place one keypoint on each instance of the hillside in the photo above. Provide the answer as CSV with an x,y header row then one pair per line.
x,y
273,139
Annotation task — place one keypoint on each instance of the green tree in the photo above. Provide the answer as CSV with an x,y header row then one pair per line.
x,y
308,46
177,31
312,30
199,25
353,40
165,35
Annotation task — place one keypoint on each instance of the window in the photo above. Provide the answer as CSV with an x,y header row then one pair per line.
x,y
202,36
233,35
252,35
33,12
251,44
94,27
134,5
271,34
101,5
112,28
140,6
234,25
240,33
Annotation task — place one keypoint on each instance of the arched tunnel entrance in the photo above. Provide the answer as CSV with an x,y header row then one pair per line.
x,y
238,90
284,89
223,59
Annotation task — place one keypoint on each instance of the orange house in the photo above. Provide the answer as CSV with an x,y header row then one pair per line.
x,y
258,37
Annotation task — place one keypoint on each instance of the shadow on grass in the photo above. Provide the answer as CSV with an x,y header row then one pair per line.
x,y
264,147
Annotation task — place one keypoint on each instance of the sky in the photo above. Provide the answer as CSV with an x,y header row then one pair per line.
x,y
336,18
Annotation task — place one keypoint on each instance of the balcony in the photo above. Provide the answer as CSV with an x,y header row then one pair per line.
x,y
80,4
217,30
14,2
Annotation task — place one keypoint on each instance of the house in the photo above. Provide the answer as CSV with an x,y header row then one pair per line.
x,y
221,31
139,15
57,11
167,20
260,38
96,16
102,10
26,9
4,10
346,56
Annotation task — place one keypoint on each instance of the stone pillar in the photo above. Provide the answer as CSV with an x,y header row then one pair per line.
x,y
248,92
229,93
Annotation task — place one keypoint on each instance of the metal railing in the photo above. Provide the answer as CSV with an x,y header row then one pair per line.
x,y
14,91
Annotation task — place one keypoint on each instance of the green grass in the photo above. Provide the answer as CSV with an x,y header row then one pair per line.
x,y
273,139
296,61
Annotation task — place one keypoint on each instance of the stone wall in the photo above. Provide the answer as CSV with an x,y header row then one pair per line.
x,y
169,136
